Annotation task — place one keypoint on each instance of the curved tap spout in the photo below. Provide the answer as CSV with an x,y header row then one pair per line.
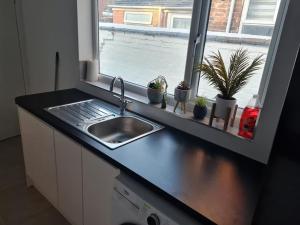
x,y
122,98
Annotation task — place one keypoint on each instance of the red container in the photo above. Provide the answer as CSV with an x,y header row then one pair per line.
x,y
248,119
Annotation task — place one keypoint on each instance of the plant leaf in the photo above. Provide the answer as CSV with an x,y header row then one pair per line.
x,y
240,70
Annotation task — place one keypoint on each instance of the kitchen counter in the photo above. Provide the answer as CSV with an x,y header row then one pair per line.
x,y
208,182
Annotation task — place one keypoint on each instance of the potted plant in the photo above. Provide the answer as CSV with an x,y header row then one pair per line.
x,y
200,109
156,90
228,81
182,92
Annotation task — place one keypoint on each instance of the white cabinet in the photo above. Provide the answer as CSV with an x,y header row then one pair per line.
x,y
69,178
75,181
98,179
39,154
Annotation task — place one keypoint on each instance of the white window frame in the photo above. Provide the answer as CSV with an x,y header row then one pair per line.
x,y
138,13
172,16
272,48
195,51
187,76
196,45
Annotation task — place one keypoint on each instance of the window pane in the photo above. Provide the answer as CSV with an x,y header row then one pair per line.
x,y
261,10
181,23
141,18
138,42
227,37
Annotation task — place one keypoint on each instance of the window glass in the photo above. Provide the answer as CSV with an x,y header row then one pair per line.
x,y
140,48
140,18
260,17
228,36
262,10
181,23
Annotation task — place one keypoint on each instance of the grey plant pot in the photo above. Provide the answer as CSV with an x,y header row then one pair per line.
x,y
222,105
154,95
182,95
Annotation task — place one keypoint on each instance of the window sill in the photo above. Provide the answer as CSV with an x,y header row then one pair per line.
x,y
138,98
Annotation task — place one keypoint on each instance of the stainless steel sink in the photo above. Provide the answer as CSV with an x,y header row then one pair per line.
x,y
121,130
96,119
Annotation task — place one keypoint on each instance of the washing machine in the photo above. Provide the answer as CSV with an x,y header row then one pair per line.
x,y
134,204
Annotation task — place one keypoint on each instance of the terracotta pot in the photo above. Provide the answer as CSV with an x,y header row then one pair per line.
x,y
154,95
222,106
182,95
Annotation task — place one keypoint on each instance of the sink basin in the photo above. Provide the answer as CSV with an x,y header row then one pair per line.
x,y
96,119
121,130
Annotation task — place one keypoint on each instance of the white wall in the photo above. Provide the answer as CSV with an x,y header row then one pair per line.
x,y
11,77
45,26
48,26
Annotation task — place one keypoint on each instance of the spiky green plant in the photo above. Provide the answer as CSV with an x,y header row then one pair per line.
x,y
156,85
229,81
201,101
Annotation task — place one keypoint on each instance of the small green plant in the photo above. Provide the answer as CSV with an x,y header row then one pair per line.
x,y
201,101
229,81
183,86
156,84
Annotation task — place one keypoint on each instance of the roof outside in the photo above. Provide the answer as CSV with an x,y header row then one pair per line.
x,y
163,3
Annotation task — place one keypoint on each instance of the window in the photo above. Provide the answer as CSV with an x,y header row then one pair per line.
x,y
259,17
227,42
262,11
170,48
131,48
178,21
138,18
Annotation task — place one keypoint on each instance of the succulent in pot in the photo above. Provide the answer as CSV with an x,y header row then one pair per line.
x,y
228,81
182,92
200,109
156,90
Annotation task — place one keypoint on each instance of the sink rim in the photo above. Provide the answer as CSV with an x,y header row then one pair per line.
x,y
105,111
156,127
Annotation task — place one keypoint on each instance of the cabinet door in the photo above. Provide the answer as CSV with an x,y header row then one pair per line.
x,y
98,179
39,154
69,178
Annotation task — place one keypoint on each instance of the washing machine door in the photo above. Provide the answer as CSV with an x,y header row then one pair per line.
x,y
129,224
124,212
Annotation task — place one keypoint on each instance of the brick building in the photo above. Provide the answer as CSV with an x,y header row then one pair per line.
x,y
234,16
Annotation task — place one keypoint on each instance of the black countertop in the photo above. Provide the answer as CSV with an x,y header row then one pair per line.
x,y
210,183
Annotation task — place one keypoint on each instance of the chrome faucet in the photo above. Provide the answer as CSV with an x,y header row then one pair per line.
x,y
122,99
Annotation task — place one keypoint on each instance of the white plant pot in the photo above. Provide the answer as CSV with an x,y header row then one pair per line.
x,y
222,106
182,95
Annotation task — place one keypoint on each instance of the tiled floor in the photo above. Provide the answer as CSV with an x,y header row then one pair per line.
x,y
20,205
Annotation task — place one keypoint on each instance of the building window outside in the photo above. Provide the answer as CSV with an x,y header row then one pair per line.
x,y
262,11
260,17
141,53
138,18
180,21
